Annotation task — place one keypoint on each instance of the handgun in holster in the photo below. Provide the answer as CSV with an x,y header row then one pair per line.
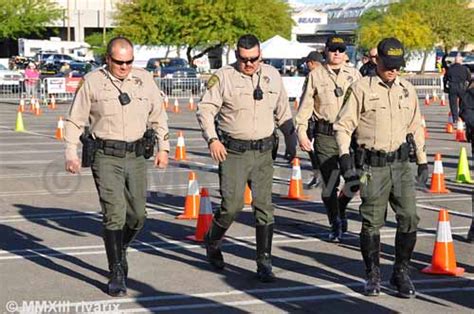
x,y
89,148
311,131
149,141
411,147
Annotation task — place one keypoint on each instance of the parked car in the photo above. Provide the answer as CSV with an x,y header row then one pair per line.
x,y
10,80
469,63
175,74
453,54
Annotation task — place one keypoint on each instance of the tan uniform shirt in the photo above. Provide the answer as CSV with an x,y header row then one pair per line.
x,y
380,116
230,97
319,96
96,103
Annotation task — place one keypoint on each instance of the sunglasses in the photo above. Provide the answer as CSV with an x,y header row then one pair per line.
x,y
392,68
119,62
341,50
251,60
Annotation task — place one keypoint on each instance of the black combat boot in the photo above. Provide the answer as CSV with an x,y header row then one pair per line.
x,y
128,236
343,200
113,246
404,245
213,240
470,234
264,236
370,248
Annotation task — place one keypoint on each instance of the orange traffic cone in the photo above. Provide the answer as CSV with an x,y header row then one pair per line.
x,y
247,195
427,100
204,219
191,104
423,125
449,126
60,129
176,106
295,190
191,204
32,104
444,258
166,102
37,110
437,178
443,100
52,103
21,106
435,96
296,105
460,133
180,153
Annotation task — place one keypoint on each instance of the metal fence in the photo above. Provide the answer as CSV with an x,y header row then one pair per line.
x,y
174,88
426,84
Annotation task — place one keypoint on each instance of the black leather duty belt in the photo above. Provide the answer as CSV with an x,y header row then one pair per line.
x,y
376,158
324,127
262,145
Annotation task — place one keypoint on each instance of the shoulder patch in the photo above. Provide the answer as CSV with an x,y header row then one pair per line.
x,y
213,80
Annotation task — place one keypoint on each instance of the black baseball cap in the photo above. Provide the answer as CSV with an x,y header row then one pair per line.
x,y
391,52
314,56
335,42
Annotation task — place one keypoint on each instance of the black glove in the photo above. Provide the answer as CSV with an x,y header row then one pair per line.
x,y
422,177
348,172
288,130
290,142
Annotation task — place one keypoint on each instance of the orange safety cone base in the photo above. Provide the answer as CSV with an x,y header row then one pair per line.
x,y
191,207
439,190
458,271
203,224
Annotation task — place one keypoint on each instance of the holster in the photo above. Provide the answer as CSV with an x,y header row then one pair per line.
x,y
276,142
89,148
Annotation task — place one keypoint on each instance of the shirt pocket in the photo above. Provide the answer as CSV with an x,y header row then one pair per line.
x,y
140,108
240,99
404,110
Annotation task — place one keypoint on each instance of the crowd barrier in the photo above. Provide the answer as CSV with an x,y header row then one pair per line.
x,y
64,89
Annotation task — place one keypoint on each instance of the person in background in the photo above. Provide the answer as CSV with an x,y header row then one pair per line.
x,y
467,114
369,67
313,61
32,76
457,79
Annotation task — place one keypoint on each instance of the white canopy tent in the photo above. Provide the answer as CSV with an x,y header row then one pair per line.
x,y
278,47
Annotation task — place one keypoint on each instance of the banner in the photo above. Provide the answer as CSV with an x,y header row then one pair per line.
x,y
56,85
72,83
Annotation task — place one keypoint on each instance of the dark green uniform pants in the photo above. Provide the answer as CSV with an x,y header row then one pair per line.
x,y
393,183
256,169
327,153
121,184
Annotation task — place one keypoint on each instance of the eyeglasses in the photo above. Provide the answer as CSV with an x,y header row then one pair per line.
x,y
120,62
341,50
251,60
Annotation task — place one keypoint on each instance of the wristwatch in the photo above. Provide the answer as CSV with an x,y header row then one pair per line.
x,y
211,140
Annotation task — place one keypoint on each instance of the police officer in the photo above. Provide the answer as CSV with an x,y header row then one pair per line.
x,y
245,98
457,78
313,60
118,101
323,98
381,111
467,114
369,68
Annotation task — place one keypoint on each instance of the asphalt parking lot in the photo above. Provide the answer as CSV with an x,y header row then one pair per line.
x,y
51,248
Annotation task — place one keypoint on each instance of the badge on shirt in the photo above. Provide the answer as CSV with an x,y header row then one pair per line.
x,y
266,79
350,79
166,137
212,81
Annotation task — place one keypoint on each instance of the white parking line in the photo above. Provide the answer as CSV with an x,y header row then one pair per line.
x,y
171,245
254,299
